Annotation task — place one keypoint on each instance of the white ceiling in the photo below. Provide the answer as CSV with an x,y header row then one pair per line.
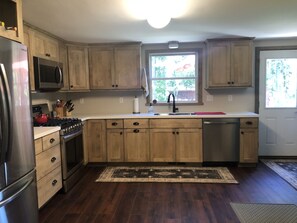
x,y
100,21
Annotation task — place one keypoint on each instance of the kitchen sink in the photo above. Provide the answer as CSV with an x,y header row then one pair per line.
x,y
176,113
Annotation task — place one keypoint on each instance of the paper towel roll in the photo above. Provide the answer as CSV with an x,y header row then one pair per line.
x,y
136,106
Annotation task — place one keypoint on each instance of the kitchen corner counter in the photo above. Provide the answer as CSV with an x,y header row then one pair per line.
x,y
161,115
43,131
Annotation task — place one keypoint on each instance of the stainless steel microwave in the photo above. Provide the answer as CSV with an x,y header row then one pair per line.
x,y
48,74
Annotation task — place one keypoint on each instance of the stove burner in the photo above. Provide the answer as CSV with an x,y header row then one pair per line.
x,y
68,125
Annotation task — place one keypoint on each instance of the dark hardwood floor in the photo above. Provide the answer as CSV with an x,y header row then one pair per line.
x,y
165,202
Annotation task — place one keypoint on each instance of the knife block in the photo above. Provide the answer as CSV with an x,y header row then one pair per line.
x,y
61,112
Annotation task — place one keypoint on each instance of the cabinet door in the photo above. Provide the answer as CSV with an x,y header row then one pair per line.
x,y
115,145
241,63
64,61
218,64
248,145
45,47
136,145
127,67
101,68
96,139
162,145
78,68
189,145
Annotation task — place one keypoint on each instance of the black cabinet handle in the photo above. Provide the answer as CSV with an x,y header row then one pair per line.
x,y
177,133
54,182
71,86
117,85
173,133
52,140
249,123
48,55
136,131
114,124
121,133
135,123
53,159
112,85
242,133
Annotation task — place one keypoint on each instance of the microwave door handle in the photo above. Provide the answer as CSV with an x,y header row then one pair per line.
x,y
5,119
60,74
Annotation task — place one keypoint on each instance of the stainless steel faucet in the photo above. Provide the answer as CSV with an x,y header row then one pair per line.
x,y
174,109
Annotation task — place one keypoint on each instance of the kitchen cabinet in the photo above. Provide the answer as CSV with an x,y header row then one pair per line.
x,y
115,67
115,140
44,46
12,17
63,59
48,167
229,63
176,140
30,57
249,136
78,70
96,140
136,140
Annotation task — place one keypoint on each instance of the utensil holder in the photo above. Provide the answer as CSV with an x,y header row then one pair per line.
x,y
61,112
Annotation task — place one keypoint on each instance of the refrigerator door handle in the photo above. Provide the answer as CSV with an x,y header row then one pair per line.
x,y
16,194
6,121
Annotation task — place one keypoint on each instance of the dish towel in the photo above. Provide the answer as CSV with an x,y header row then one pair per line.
x,y
144,83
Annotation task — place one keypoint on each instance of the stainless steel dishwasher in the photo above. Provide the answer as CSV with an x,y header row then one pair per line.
x,y
221,140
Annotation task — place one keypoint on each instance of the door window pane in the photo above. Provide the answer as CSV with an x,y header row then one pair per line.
x,y
281,83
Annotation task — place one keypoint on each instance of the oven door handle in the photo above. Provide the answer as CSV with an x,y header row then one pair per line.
x,y
71,136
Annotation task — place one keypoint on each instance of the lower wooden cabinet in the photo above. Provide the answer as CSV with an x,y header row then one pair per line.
x,y
136,145
249,140
162,145
182,143
96,141
48,167
115,145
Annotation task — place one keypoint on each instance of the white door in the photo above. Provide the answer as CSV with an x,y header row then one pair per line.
x,y
278,102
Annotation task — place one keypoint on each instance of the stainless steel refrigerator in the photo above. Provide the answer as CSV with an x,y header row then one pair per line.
x,y
18,193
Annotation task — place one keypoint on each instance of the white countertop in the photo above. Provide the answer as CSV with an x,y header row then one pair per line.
x,y
151,115
43,131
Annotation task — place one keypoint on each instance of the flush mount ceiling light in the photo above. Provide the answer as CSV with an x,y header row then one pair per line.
x,y
158,21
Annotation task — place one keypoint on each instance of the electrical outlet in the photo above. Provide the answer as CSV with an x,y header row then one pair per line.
x,y
121,100
82,101
230,97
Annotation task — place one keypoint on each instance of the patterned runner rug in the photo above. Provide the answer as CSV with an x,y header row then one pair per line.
x,y
265,213
167,174
287,169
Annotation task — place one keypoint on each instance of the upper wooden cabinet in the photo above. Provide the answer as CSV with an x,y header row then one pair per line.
x,y
30,57
12,17
78,68
229,63
115,67
44,46
64,61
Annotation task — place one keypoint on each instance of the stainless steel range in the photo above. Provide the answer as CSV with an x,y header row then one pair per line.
x,y
71,137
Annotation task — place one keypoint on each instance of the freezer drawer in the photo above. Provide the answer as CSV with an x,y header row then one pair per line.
x,y
18,202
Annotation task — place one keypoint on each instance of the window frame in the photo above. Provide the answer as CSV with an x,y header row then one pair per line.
x,y
198,76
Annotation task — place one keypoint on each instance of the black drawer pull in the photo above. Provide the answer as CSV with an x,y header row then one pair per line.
x,y
135,123
173,132
54,182
52,140
114,124
249,123
47,54
242,133
136,131
121,133
177,133
53,159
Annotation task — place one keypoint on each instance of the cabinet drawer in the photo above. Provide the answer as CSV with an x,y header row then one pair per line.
x,y
175,123
50,140
114,124
49,185
38,146
248,122
47,161
136,123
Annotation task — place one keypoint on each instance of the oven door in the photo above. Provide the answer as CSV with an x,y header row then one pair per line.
x,y
72,153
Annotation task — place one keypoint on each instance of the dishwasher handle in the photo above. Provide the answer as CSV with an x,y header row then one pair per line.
x,y
219,123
